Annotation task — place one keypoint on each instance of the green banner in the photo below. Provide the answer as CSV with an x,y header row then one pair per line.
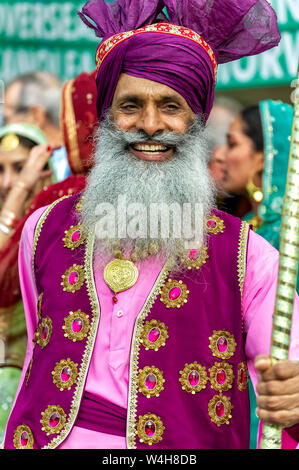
x,y
49,35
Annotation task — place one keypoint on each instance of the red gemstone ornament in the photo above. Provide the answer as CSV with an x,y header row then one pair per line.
x,y
220,409
54,420
212,223
65,374
222,344
75,236
242,376
73,278
150,381
174,293
193,378
154,335
221,376
24,439
193,254
77,325
45,332
150,428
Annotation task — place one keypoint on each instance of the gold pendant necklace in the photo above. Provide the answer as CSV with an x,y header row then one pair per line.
x,y
120,275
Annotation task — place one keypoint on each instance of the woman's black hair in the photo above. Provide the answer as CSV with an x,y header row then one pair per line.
x,y
253,127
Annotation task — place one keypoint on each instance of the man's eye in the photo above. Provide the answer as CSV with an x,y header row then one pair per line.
x,y
172,107
1,169
129,107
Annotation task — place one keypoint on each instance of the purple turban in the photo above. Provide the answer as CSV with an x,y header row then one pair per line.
x,y
180,50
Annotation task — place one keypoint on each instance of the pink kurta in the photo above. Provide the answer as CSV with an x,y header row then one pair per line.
x,y
110,379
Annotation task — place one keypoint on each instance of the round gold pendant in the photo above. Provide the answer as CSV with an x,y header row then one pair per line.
x,y
120,275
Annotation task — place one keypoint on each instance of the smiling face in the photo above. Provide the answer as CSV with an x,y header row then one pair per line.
x,y
144,105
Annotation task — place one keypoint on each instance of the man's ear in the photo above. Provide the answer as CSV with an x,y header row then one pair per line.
x,y
37,116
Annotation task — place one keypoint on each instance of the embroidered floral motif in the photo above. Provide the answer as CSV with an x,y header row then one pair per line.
x,y
76,326
153,335
222,344
44,332
174,294
53,420
221,376
193,378
65,374
74,236
150,381
242,376
107,46
214,224
150,429
195,258
73,278
23,437
220,410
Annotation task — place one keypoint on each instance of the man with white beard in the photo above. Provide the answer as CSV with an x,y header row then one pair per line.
x,y
141,340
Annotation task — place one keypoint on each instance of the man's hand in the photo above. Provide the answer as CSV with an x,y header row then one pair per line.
x,y
278,391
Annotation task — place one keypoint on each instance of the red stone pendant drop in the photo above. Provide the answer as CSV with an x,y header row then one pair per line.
x,y
150,428
220,409
24,439
54,420
114,298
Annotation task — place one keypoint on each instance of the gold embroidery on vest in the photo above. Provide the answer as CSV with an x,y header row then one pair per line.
x,y
76,326
193,378
150,429
221,376
53,419
174,294
23,437
65,374
150,381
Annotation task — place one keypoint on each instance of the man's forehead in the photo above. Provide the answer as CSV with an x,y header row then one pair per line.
x,y
130,86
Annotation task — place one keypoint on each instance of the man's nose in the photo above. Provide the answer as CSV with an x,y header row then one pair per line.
x,y
150,121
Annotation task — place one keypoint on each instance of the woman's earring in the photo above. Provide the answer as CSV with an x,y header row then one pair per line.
x,y
254,191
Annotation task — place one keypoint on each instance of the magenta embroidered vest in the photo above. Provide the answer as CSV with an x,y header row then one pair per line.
x,y
188,374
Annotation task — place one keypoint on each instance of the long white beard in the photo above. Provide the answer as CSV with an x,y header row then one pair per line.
x,y
124,194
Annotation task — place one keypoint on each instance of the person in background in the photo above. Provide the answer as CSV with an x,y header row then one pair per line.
x,y
256,165
35,98
224,111
24,172
78,124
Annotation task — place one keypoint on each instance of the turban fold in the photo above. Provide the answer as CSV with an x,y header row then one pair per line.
x,y
180,49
